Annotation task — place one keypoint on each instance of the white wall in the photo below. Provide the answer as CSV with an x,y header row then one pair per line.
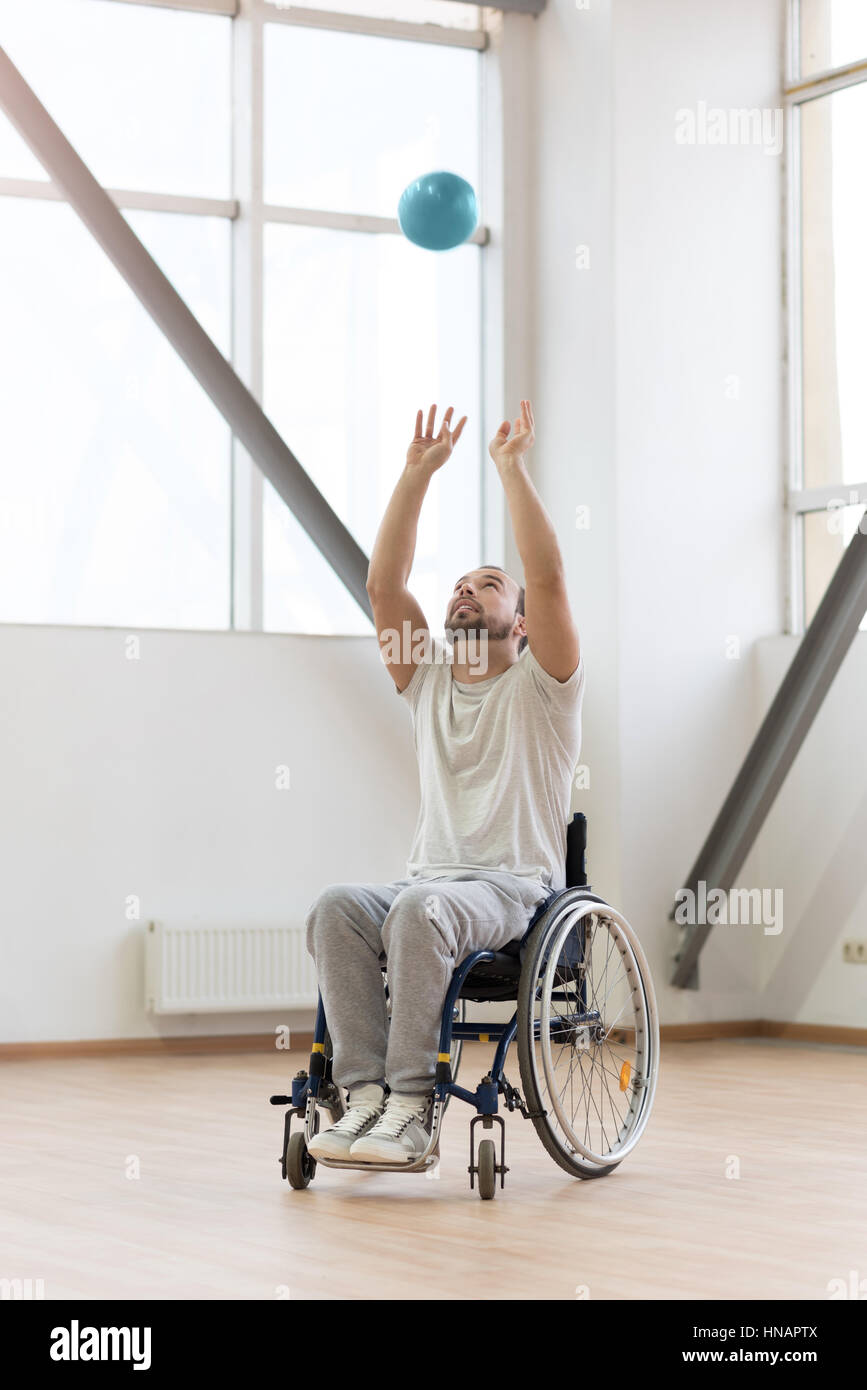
x,y
635,356
570,197
156,777
699,447
812,848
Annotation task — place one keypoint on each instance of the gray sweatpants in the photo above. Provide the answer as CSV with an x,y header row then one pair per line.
x,y
422,929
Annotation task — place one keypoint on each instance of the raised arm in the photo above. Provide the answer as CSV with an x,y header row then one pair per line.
x,y
551,633
393,551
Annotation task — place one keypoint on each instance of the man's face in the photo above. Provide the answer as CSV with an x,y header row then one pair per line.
x,y
484,601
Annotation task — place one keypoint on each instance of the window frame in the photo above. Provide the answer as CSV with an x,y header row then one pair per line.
x,y
800,500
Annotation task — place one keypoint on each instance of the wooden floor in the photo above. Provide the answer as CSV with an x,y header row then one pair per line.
x,y
209,1217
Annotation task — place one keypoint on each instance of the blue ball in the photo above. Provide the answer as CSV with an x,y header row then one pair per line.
x,y
438,211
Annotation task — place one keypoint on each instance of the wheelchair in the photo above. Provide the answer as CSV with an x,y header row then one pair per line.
x,y
587,1031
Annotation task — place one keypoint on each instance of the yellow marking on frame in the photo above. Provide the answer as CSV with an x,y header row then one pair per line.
x,y
625,1073
444,1056
484,1037
319,1047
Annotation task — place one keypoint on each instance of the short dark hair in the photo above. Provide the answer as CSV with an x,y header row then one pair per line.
x,y
520,607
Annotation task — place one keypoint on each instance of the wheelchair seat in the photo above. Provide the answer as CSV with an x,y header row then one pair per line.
x,y
498,978
512,948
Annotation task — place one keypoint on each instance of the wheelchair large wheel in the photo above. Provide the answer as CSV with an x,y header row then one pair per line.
x,y
335,1102
459,1015
588,1034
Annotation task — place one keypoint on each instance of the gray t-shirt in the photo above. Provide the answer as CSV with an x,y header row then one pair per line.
x,y
496,760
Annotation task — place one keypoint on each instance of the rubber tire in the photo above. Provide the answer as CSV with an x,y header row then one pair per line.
x,y
526,991
300,1163
487,1174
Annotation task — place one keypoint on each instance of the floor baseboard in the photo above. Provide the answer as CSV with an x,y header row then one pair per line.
x,y
301,1042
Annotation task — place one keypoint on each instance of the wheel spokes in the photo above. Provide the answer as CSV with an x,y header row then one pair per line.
x,y
589,1050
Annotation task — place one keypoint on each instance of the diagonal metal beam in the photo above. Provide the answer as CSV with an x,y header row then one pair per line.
x,y
215,375
776,745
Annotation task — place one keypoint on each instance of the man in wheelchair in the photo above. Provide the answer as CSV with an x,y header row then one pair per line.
x,y
497,738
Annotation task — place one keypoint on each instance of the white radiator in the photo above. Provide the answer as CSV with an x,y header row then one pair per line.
x,y
193,969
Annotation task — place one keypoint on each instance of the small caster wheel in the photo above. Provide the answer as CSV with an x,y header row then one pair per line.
x,y
300,1163
487,1169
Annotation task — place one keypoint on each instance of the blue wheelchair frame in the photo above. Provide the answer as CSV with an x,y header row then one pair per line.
x,y
307,1087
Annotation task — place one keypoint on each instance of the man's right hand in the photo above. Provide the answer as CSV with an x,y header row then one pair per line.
x,y
428,450
391,561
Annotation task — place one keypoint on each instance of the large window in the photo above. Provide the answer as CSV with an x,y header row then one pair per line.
x,y
260,160
827,92
359,332
115,466
362,328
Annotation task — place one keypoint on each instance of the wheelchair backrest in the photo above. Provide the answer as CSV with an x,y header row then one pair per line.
x,y
576,850
576,864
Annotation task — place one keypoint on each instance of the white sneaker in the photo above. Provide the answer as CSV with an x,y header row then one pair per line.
x,y
400,1133
365,1107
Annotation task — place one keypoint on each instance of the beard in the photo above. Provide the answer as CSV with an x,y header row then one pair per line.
x,y
473,626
